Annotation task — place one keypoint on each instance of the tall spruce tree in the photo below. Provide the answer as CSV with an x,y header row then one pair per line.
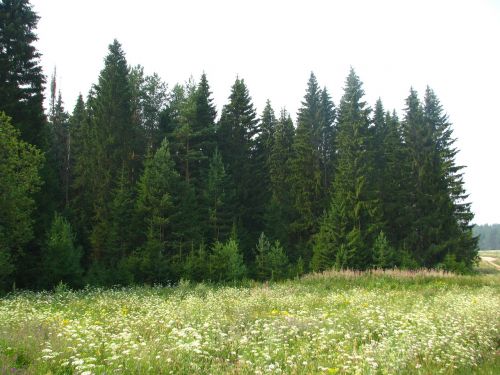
x,y
394,181
113,147
429,203
236,135
280,208
204,129
305,171
457,228
82,185
262,155
59,146
155,207
327,128
21,77
353,222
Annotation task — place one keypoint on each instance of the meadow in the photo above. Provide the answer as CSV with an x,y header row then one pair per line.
x,y
378,322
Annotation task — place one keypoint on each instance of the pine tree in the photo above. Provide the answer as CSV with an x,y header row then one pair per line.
x,y
354,216
237,131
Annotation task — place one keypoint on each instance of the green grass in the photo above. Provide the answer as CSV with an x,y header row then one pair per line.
x,y
335,322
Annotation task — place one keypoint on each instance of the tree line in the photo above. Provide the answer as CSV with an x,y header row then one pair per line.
x,y
142,183
489,236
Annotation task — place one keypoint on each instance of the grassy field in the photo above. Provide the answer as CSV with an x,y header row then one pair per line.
x,y
490,262
333,323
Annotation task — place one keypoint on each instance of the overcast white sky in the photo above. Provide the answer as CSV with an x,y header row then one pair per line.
x,y
452,46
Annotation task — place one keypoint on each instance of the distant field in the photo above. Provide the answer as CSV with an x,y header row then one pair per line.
x,y
490,261
334,323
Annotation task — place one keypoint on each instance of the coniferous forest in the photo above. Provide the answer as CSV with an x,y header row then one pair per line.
x,y
143,183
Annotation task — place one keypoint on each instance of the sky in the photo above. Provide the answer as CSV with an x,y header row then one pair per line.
x,y
452,46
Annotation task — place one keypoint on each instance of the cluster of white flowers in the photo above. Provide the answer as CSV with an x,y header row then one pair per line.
x,y
284,328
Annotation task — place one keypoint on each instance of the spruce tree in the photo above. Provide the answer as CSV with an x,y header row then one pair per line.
x,y
395,186
327,143
218,201
204,129
59,146
354,218
280,207
236,135
82,184
61,256
305,171
458,229
149,101
155,207
21,77
113,144
429,204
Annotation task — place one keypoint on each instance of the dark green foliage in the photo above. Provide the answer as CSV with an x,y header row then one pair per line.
x,y
19,180
431,210
327,142
218,199
156,191
81,196
21,77
155,207
457,226
329,240
391,168
354,219
149,101
279,209
122,233
59,153
60,256
305,171
110,146
236,135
